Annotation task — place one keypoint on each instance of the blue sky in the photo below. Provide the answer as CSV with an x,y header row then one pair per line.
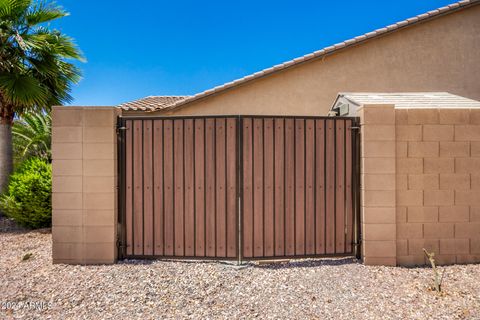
x,y
140,48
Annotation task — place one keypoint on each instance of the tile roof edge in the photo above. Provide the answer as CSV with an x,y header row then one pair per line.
x,y
351,96
145,105
327,51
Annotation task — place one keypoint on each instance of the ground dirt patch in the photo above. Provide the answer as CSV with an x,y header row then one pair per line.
x,y
308,289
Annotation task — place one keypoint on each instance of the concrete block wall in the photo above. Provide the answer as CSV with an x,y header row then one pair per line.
x,y
423,191
84,185
420,184
378,184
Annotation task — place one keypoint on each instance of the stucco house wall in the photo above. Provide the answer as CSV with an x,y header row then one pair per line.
x,y
440,54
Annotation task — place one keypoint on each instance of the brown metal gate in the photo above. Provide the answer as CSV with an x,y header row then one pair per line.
x,y
237,187
180,187
298,187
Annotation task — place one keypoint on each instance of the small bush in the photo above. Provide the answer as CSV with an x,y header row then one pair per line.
x,y
28,198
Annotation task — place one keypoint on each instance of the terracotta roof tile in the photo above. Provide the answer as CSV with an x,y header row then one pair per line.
x,y
151,103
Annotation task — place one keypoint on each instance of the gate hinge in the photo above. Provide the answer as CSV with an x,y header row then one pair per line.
x,y
354,128
357,242
120,129
120,244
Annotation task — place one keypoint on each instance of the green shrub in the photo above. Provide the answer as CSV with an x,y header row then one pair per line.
x,y
28,198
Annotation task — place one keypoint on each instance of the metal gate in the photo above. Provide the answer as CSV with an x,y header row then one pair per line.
x,y
237,187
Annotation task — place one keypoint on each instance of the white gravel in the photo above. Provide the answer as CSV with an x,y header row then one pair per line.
x,y
308,289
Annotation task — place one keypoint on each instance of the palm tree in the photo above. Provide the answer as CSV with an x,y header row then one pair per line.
x,y
32,137
35,72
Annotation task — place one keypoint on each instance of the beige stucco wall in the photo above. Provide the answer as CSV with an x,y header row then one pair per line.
x,y
439,55
420,184
84,179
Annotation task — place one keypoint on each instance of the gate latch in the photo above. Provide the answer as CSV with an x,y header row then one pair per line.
x,y
120,128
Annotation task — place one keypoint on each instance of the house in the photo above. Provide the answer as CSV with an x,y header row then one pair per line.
x,y
435,51
255,169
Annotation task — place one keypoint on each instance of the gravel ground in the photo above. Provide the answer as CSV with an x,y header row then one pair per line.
x,y
307,289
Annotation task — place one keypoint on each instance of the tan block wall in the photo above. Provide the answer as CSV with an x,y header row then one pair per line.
x,y
84,179
378,184
439,195
434,176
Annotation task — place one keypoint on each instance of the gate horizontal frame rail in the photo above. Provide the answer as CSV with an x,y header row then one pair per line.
x,y
122,129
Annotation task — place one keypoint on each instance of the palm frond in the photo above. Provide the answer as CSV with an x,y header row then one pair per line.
x,y
43,12
32,136
35,67
52,43
22,90
12,9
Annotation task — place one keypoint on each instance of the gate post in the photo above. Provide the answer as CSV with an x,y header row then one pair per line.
x,y
357,233
121,243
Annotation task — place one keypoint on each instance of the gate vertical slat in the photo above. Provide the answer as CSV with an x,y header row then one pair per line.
x,y
147,187
330,187
258,179
310,187
269,226
189,205
199,187
231,185
129,188
210,230
279,195
178,191
299,187
247,226
349,207
340,188
220,188
289,187
158,186
320,186
168,188
138,187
